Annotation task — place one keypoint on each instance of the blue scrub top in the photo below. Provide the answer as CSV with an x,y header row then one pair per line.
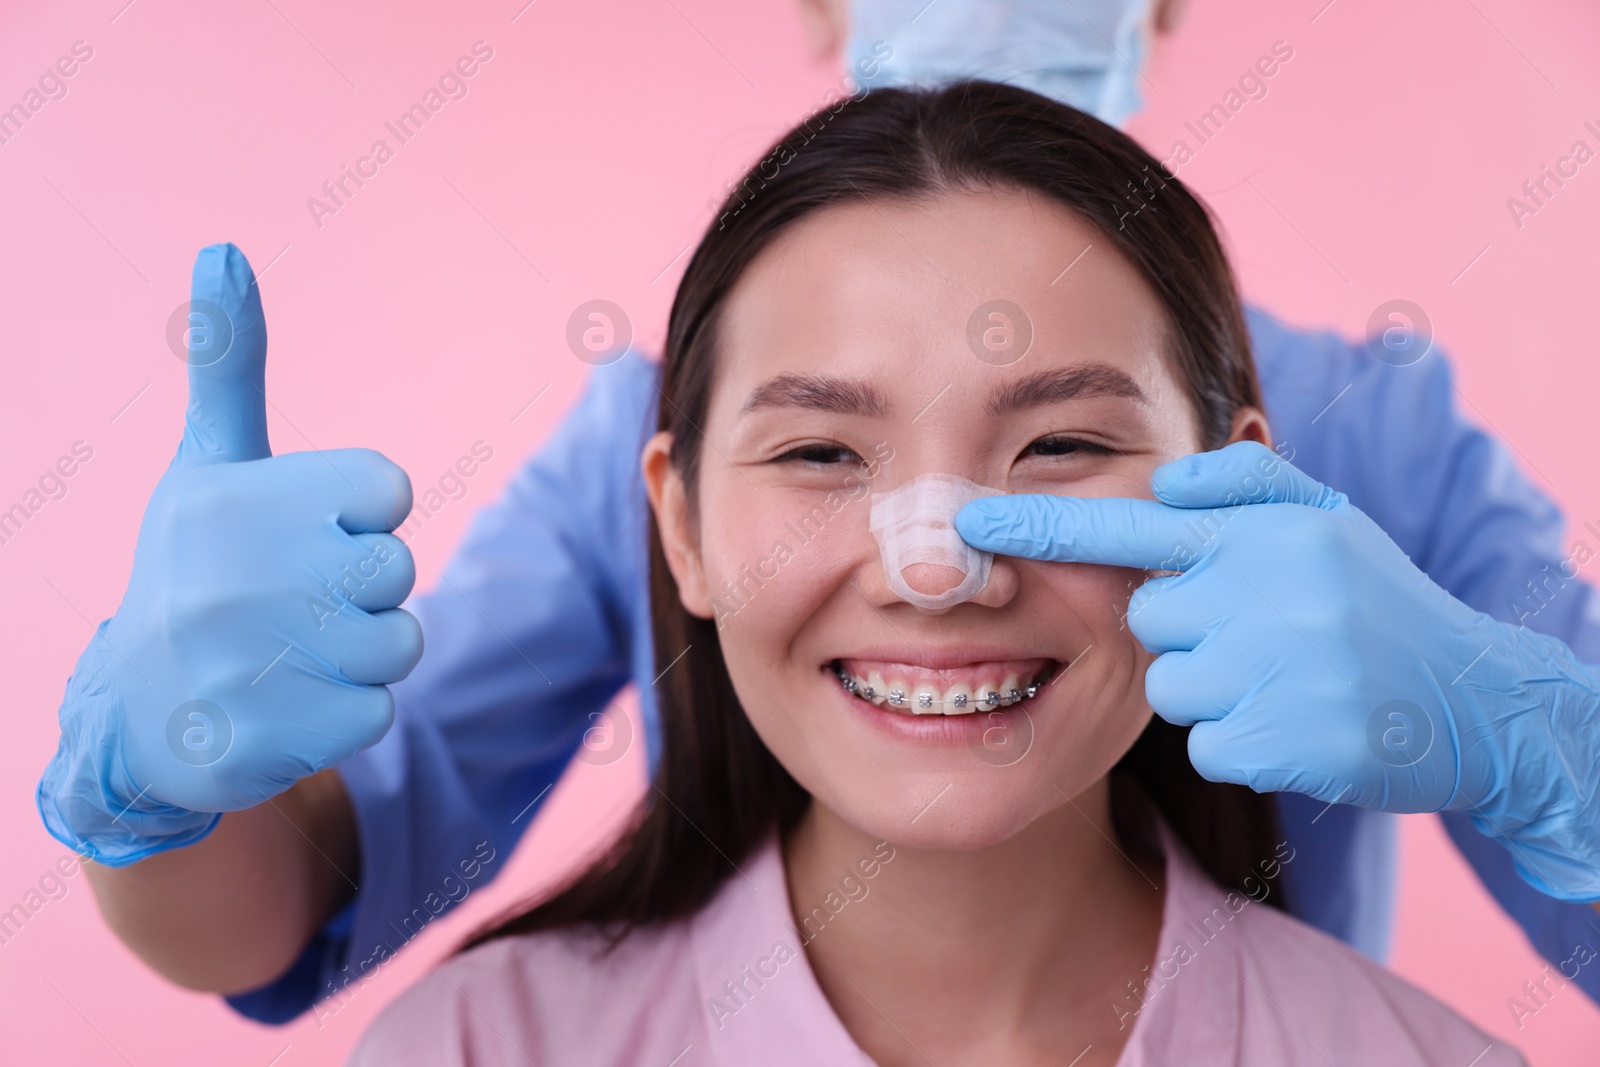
x,y
543,618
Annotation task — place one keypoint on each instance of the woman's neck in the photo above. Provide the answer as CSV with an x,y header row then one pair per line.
x,y
1014,953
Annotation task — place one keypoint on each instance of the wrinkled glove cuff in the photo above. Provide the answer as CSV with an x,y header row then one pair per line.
x,y
1534,746
86,797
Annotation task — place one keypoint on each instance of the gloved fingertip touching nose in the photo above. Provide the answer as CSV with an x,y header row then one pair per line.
x,y
925,560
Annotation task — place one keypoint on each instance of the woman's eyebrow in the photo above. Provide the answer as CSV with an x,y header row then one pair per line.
x,y
818,392
1068,383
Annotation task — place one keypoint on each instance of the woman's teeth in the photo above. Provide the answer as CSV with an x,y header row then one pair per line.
x,y
999,689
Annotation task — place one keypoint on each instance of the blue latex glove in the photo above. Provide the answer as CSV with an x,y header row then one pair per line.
x,y
1311,655
261,621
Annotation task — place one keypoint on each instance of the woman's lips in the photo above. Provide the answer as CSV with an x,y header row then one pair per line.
x,y
997,736
981,685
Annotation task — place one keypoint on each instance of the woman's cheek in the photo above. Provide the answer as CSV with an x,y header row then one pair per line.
x,y
1098,596
772,557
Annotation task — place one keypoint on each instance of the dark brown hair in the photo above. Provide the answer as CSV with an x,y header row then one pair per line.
x,y
717,791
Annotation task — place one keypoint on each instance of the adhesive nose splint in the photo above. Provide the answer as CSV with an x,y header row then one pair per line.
x,y
915,523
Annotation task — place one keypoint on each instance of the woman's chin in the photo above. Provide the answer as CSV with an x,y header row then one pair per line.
x,y
964,812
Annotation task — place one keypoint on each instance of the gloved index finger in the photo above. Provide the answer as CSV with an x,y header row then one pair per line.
x,y
1118,531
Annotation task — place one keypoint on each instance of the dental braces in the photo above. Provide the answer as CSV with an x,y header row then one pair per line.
x,y
898,698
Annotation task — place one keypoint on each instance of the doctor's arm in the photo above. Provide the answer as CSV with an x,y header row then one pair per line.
x,y
1462,508
532,631
236,674
527,637
249,653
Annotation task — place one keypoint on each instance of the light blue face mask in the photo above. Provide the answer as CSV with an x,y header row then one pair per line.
x,y
1086,53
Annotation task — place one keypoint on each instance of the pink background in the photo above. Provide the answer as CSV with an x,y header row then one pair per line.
x,y
432,308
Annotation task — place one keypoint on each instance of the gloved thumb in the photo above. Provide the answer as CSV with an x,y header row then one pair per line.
x,y
226,349
1244,472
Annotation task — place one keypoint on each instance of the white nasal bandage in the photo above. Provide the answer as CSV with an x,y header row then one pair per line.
x,y
916,523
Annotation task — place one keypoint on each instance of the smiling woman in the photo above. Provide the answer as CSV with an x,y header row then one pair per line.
x,y
1051,843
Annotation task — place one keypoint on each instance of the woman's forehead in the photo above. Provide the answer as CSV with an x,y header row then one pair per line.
x,y
967,287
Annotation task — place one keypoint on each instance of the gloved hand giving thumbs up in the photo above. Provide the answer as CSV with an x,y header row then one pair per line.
x,y
261,622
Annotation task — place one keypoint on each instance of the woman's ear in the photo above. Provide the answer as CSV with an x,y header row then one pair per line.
x,y
1250,424
827,24
1168,13
670,502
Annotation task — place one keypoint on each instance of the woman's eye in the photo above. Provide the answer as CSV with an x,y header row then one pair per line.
x,y
1066,446
820,454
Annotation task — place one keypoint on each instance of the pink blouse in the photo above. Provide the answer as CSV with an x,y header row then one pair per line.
x,y
1234,982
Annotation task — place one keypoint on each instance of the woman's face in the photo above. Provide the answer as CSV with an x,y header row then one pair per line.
x,y
845,370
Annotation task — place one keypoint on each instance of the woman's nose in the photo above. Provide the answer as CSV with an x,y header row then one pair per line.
x,y
932,580
924,560
1004,581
